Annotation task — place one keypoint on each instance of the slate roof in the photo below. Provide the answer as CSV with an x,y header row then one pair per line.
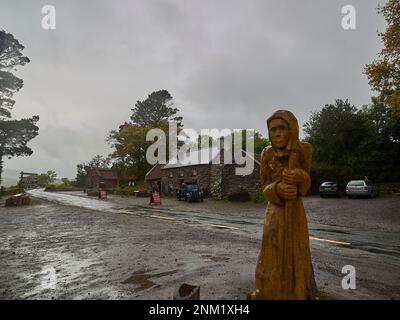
x,y
155,172
200,157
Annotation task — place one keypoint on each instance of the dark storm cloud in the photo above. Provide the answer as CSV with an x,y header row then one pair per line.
x,y
227,64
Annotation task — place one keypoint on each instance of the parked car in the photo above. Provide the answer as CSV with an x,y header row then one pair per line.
x,y
331,188
364,188
190,191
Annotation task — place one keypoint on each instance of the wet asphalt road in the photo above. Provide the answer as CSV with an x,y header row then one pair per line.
x,y
116,249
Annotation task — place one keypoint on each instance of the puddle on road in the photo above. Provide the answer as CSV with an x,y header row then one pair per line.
x,y
142,277
216,258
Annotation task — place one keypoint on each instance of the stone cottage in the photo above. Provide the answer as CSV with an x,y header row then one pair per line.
x,y
97,175
197,166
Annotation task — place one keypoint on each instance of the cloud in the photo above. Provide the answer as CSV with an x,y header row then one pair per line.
x,y
227,63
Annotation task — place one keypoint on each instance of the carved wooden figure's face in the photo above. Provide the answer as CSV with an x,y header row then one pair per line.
x,y
279,133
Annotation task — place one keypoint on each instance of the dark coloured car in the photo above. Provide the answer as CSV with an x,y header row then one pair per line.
x,y
190,191
331,189
365,188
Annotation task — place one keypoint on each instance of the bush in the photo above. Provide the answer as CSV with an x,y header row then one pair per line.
x,y
216,189
50,188
125,190
258,197
60,187
92,192
12,190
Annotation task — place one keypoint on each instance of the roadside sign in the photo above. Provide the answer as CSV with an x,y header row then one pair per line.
x,y
103,194
156,198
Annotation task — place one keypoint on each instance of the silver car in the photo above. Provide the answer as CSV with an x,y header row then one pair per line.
x,y
364,188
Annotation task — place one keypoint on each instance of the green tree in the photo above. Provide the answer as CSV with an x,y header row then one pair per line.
x,y
384,73
99,161
10,58
66,182
81,175
350,143
52,176
129,141
157,107
44,179
259,141
336,133
130,146
206,141
14,134
381,145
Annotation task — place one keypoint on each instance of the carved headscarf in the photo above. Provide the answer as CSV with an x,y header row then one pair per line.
x,y
291,120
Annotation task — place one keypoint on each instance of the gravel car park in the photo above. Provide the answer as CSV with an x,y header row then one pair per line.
x,y
123,248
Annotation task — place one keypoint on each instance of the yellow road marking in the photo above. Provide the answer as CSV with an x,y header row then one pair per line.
x,y
330,241
221,226
162,217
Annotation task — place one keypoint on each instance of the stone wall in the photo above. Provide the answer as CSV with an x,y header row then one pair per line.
x,y
389,188
207,175
170,178
92,181
234,184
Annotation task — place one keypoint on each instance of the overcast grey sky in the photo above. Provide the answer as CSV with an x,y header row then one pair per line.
x,y
228,64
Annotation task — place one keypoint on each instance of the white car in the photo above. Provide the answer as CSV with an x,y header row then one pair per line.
x,y
364,188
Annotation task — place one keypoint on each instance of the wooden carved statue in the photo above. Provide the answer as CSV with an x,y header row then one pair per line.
x,y
284,267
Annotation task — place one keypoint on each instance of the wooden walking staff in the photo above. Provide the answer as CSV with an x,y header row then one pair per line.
x,y
288,261
289,209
